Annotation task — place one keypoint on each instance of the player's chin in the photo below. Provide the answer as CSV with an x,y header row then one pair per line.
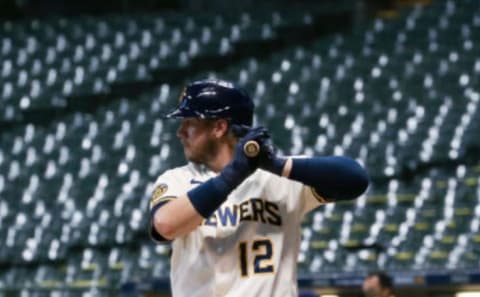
x,y
193,159
194,156
187,154
190,155
186,148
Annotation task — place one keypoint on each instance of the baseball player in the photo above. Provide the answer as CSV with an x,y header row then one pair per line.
x,y
233,212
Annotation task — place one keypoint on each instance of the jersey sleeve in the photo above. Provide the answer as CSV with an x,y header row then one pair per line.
x,y
310,199
165,189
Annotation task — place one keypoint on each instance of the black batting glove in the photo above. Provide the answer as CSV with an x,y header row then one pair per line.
x,y
242,166
267,158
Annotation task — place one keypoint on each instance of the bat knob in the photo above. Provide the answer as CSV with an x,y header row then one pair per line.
x,y
251,148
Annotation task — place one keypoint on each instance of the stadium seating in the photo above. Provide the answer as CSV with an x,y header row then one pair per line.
x,y
399,95
52,63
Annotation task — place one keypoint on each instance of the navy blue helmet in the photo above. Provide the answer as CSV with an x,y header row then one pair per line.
x,y
214,98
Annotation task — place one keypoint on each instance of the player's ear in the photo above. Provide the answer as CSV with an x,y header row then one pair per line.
x,y
220,128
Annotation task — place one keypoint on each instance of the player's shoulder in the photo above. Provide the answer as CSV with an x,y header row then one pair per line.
x,y
187,170
266,176
273,181
174,172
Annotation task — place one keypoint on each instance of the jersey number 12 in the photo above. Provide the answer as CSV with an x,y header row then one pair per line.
x,y
262,249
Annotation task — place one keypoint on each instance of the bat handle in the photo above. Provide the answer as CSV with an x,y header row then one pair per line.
x,y
251,148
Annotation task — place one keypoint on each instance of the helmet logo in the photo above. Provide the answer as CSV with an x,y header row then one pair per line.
x,y
183,99
182,95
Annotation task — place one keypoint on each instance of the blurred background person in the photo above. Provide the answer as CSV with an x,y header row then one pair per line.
x,y
378,284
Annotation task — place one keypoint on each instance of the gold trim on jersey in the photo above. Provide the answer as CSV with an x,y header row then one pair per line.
x,y
268,263
157,194
256,257
157,200
318,196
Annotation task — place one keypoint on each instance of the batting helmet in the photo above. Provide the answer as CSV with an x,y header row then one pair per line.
x,y
213,98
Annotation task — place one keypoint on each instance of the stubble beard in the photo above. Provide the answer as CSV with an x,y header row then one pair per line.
x,y
202,154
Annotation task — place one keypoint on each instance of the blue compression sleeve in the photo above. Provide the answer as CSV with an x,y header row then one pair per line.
x,y
333,178
207,197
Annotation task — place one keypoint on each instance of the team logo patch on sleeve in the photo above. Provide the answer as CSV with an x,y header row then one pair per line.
x,y
159,190
157,194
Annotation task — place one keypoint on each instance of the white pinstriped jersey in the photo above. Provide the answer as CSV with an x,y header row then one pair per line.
x,y
249,246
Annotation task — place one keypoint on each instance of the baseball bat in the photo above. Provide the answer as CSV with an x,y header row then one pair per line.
x,y
251,148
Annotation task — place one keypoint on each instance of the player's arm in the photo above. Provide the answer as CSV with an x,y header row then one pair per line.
x,y
180,216
333,178
173,218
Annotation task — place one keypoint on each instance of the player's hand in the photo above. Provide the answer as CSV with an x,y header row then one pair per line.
x,y
267,157
241,165
240,159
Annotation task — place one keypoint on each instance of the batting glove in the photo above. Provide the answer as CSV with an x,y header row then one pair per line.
x,y
267,158
242,166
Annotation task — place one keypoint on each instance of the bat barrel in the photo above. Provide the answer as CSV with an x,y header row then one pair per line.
x,y
251,148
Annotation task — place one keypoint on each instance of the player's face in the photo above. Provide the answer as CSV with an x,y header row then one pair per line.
x,y
196,136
